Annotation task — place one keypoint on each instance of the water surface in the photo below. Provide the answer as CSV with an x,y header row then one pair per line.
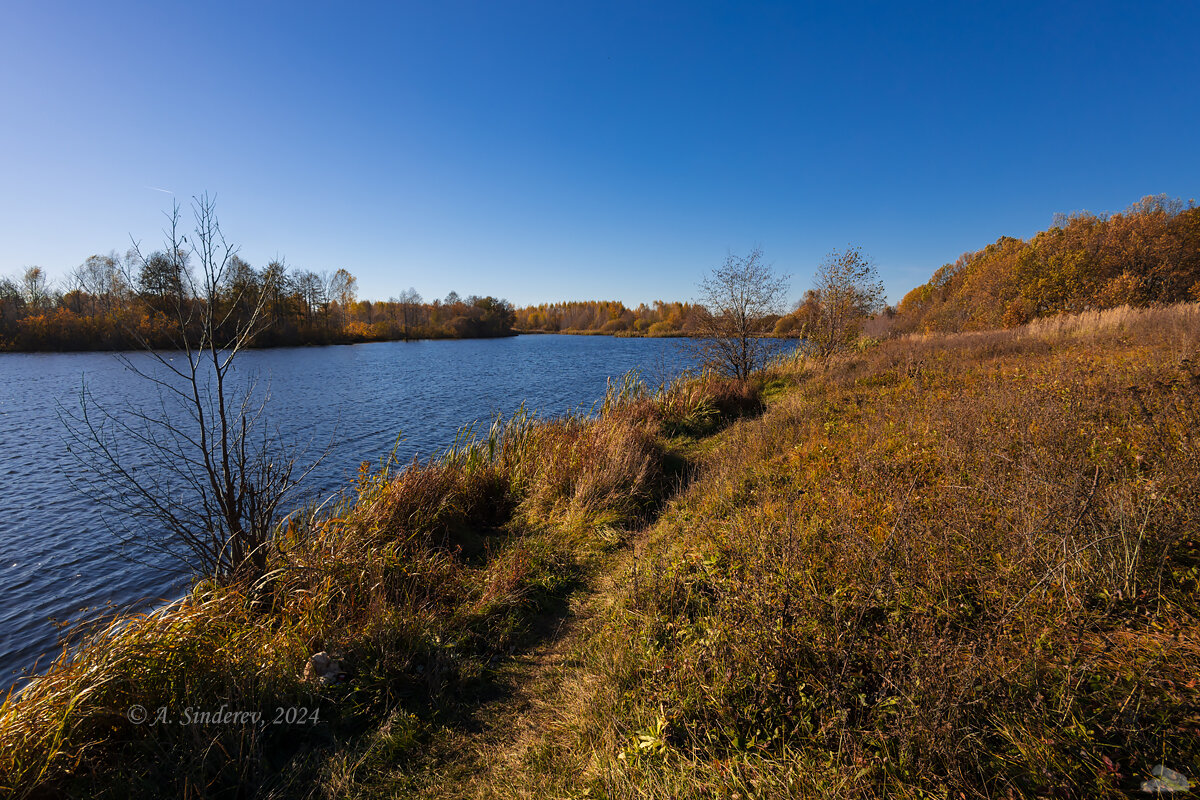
x,y
59,560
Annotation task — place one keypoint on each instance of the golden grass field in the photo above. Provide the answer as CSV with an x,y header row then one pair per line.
x,y
941,566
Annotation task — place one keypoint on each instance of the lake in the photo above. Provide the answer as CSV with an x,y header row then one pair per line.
x,y
60,561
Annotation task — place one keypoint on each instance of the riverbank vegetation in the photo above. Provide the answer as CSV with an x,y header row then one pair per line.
x,y
122,302
423,585
950,566
608,317
947,565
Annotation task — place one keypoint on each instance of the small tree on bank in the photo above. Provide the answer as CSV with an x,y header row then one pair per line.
x,y
846,290
739,304
197,475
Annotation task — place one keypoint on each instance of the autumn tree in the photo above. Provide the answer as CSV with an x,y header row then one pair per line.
x,y
310,290
846,290
242,293
409,305
161,277
276,290
12,307
738,305
1146,254
100,282
343,289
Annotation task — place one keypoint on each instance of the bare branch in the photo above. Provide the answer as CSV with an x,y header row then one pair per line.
x,y
197,476
739,303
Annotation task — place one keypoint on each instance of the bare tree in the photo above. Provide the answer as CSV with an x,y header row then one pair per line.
x,y
325,297
35,289
739,303
410,305
311,289
101,280
846,290
198,476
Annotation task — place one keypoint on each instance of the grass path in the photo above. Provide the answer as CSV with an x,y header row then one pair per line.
x,y
526,742
538,689
546,688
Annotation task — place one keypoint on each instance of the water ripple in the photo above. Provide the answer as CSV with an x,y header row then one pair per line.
x,y
58,558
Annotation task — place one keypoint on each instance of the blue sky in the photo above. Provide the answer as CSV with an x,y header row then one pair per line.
x,y
571,150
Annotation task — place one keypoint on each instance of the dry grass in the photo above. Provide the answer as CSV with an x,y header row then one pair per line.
x,y
956,566
1180,318
1172,325
952,566
424,585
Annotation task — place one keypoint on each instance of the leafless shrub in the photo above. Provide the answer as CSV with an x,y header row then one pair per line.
x,y
199,475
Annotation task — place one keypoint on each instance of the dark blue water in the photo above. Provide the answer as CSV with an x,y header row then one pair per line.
x,y
58,558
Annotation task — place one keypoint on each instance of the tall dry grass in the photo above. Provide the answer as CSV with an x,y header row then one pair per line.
x,y
422,585
1168,324
957,566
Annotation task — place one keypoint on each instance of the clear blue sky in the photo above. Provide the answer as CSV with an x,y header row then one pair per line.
x,y
570,150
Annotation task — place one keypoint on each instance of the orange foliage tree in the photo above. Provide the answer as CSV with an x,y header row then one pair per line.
x,y
1148,254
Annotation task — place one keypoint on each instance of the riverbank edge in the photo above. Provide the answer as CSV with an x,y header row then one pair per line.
x,y
422,584
337,341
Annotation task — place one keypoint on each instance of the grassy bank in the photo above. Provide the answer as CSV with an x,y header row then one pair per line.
x,y
946,566
424,585
950,566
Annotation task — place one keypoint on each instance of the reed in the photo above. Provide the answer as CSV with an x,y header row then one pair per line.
x,y
423,584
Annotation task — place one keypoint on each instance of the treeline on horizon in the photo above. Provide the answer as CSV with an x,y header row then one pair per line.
x,y
609,316
1147,255
115,302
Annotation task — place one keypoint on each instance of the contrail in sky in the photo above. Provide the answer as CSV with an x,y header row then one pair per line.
x,y
155,188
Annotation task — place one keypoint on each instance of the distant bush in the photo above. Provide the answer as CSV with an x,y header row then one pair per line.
x,y
602,316
614,325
